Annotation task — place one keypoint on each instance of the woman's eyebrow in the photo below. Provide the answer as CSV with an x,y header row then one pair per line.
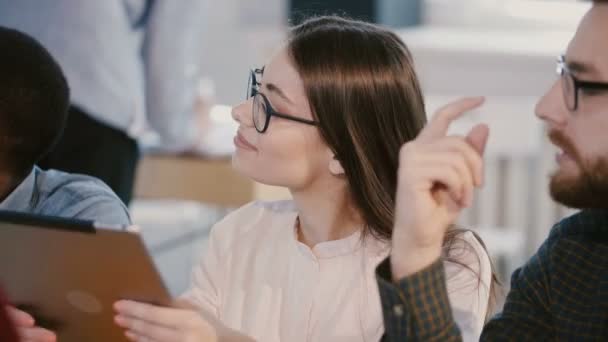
x,y
273,88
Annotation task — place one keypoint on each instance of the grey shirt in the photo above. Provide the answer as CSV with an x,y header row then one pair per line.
x,y
56,193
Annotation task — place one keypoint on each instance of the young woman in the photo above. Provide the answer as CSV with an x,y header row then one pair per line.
x,y
326,118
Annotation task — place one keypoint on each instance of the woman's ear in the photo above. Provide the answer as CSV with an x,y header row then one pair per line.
x,y
335,167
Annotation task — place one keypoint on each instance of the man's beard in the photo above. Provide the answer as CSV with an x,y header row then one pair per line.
x,y
587,190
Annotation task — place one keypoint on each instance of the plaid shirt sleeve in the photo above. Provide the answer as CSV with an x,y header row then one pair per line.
x,y
416,308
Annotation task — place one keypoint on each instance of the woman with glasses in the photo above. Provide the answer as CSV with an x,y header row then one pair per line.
x,y
326,118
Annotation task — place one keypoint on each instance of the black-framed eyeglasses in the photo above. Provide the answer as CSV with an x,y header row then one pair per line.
x,y
571,86
262,111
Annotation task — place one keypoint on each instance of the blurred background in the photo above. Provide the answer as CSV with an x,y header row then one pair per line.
x,y
503,49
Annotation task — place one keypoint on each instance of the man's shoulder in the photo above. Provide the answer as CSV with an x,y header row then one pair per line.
x,y
589,225
576,245
575,237
70,186
78,196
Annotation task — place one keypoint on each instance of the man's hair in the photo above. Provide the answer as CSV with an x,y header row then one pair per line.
x,y
34,101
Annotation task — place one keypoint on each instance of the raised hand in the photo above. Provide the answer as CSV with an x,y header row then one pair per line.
x,y
436,180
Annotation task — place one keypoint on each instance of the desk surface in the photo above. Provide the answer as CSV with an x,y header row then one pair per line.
x,y
195,178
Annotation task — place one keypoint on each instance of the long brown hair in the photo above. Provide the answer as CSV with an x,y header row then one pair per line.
x,y
362,88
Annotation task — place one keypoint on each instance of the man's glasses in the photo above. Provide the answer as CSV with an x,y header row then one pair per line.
x,y
262,111
571,86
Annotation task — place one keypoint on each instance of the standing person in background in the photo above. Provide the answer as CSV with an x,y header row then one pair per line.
x,y
130,63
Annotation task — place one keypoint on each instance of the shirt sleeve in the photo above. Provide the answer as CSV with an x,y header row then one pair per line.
x,y
417,308
104,210
173,54
206,281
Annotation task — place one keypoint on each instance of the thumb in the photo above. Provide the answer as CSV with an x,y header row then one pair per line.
x,y
478,138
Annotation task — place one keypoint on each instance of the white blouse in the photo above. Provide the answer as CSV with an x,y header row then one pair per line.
x,y
257,278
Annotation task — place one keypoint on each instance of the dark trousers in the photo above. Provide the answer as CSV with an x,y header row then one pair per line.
x,y
92,148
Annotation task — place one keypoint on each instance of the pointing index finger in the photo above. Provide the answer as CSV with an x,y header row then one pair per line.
x,y
439,124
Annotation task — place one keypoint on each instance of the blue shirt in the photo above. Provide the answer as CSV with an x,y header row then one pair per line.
x,y
56,193
128,62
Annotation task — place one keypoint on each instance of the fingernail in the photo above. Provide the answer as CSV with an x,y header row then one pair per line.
x,y
119,320
120,305
131,336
